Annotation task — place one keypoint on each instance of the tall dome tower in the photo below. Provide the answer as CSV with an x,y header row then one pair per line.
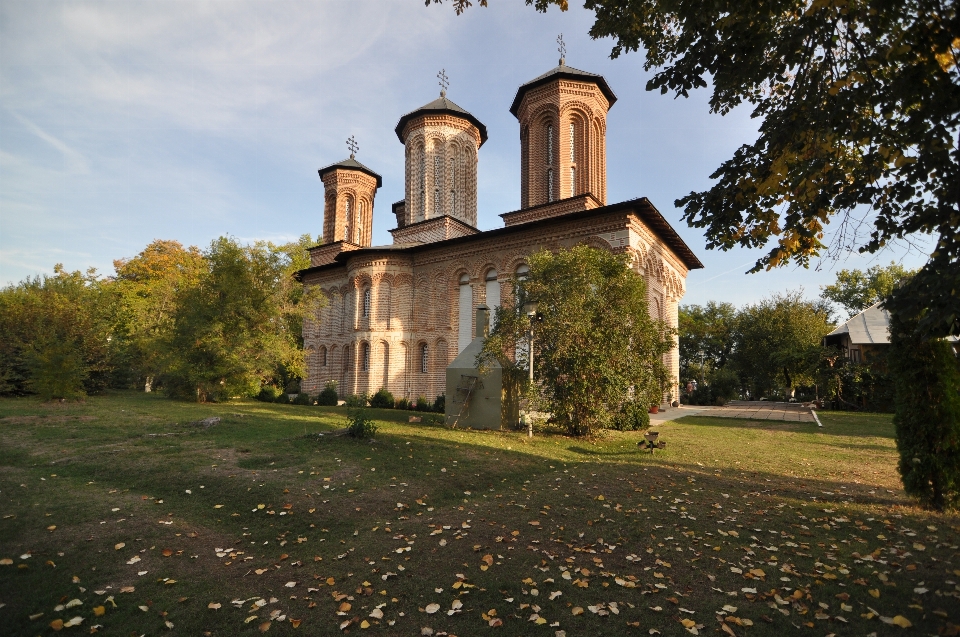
x,y
563,129
441,141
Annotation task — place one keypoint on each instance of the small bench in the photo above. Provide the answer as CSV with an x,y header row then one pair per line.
x,y
651,440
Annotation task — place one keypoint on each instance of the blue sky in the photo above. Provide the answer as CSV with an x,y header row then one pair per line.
x,y
124,122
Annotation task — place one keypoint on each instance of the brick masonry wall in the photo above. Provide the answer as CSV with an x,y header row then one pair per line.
x,y
546,211
432,230
414,297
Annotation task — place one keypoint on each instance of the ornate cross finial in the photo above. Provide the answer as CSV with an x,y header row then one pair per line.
x,y
444,82
562,48
353,146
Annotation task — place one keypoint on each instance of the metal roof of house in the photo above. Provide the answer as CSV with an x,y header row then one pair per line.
x,y
871,326
567,73
351,164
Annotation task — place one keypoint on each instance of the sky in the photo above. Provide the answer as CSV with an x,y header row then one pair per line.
x,y
124,122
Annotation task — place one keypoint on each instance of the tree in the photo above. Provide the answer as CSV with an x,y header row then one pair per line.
x,y
57,339
856,290
147,287
235,328
859,105
777,342
597,349
927,417
706,329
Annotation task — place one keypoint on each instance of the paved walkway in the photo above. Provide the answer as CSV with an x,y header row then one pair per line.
x,y
752,410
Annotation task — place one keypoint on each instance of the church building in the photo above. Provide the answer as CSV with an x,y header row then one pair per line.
x,y
397,315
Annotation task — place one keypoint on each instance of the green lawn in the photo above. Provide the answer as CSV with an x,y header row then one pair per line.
x,y
122,513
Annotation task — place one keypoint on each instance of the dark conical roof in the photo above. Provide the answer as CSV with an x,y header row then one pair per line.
x,y
563,72
350,164
442,105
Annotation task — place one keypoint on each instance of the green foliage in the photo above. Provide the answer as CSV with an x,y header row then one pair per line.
x,y
706,330
632,416
724,385
283,398
356,400
237,326
402,403
423,404
778,342
440,404
329,397
383,399
507,346
360,425
57,335
269,394
597,346
303,398
856,290
927,417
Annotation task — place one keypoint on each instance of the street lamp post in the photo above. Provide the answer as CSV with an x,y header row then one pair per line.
x,y
530,309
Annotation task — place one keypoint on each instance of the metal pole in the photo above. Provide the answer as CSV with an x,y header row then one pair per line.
x,y
530,356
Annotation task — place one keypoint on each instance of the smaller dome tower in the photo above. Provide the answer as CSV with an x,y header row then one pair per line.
x,y
349,189
441,141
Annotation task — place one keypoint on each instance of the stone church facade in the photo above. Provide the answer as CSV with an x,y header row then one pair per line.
x,y
397,315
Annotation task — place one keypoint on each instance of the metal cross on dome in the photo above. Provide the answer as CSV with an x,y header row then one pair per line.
x,y
444,82
562,49
353,146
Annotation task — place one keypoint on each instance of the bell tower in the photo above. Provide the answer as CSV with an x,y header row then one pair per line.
x,y
563,130
349,189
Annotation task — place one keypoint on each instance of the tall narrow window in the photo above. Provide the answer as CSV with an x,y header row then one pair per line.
x,y
464,313
421,181
437,180
346,221
549,184
359,223
323,357
573,181
549,144
573,155
424,359
453,202
493,295
366,303
365,357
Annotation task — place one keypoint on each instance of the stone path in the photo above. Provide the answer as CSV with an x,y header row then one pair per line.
x,y
752,410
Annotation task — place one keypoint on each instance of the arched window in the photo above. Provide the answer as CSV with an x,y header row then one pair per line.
x,y
365,357
464,313
346,220
573,181
522,274
366,303
386,365
346,357
573,155
493,295
549,184
424,359
323,357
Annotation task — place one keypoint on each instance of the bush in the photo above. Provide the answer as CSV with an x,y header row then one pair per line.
x,y
927,418
268,394
632,416
357,400
56,369
359,425
382,399
303,398
701,395
328,397
422,404
440,404
724,385
282,399
402,403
